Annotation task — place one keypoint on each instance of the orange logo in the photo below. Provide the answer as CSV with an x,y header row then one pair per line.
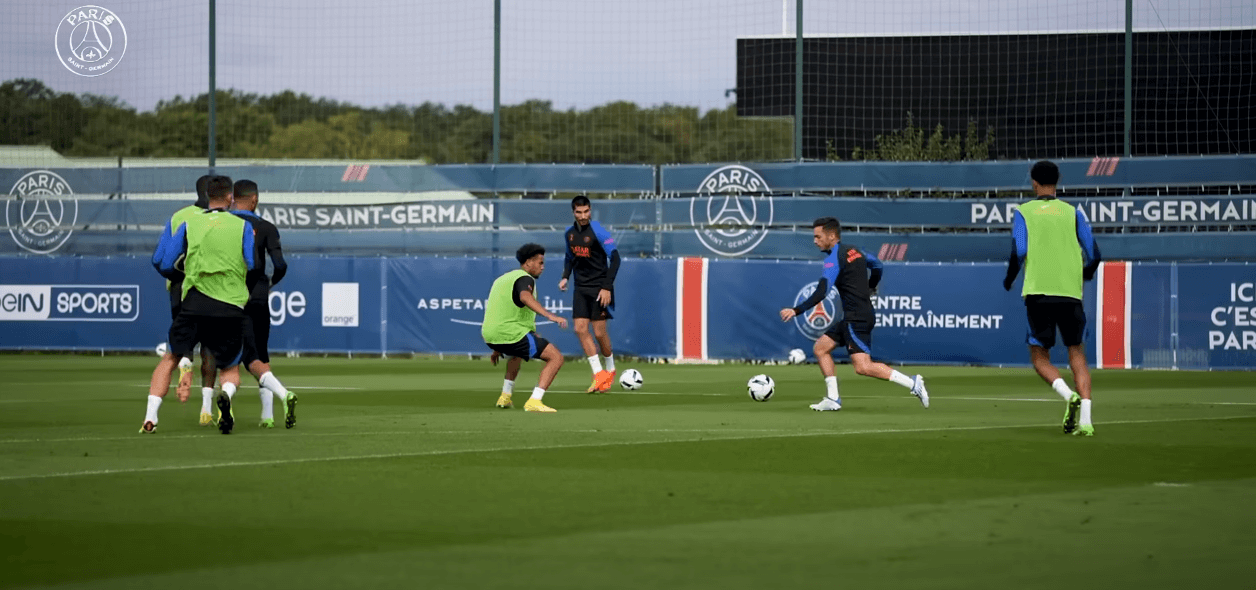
x,y
853,255
581,251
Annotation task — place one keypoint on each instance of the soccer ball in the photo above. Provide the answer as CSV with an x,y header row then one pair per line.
x,y
761,388
162,349
797,356
630,380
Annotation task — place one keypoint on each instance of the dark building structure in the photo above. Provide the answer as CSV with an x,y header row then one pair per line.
x,y
1051,95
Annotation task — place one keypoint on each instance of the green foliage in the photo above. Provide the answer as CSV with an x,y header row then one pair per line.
x,y
911,144
291,125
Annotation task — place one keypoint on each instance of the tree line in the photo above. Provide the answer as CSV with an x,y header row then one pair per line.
x,y
292,125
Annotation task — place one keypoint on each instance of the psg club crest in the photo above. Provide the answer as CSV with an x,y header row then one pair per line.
x,y
732,210
813,322
90,41
41,211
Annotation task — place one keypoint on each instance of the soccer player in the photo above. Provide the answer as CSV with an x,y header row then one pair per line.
x,y
257,311
174,286
1053,242
509,327
592,255
848,269
217,251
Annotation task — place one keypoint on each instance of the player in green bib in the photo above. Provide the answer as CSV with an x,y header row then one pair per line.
x,y
175,286
217,251
509,327
1054,243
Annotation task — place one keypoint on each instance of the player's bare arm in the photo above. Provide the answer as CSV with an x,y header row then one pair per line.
x,y
531,303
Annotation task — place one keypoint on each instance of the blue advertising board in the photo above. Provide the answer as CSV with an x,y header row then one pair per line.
x,y
1217,313
924,313
1178,315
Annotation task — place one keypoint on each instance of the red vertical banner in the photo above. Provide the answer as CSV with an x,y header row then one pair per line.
x,y
691,308
1113,309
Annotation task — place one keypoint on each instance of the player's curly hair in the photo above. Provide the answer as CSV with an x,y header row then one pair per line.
x,y
527,251
1045,173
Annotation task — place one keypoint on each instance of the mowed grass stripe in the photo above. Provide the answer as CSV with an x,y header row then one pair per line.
x,y
376,456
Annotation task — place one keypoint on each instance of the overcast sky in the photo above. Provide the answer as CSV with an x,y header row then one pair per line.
x,y
574,53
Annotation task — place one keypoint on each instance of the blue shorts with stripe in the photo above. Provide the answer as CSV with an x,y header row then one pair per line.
x,y
855,335
527,348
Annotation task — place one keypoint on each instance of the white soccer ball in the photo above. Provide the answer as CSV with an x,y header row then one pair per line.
x,y
797,356
162,349
631,379
761,388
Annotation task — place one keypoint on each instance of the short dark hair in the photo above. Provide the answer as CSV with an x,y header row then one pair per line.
x,y
219,188
202,191
580,201
527,251
245,188
1045,173
830,224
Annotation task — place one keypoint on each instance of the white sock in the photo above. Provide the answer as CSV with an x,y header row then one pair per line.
x,y
610,363
508,386
185,363
1085,419
269,381
154,403
229,389
268,403
1062,388
830,384
595,364
902,379
207,399
538,393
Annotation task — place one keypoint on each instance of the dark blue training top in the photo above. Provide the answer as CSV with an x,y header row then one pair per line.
x,y
266,240
855,273
592,255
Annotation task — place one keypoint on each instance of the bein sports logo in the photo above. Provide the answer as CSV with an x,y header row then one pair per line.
x,y
732,210
813,322
90,41
70,303
41,212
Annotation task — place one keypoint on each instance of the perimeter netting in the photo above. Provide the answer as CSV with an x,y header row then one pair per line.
x,y
650,82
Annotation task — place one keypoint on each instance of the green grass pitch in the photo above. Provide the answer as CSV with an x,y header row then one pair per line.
x,y
402,474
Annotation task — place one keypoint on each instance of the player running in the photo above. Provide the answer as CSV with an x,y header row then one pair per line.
x,y
1052,240
510,327
591,253
174,286
217,251
848,268
257,311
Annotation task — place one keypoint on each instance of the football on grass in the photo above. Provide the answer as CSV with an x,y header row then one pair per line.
x,y
761,388
631,379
